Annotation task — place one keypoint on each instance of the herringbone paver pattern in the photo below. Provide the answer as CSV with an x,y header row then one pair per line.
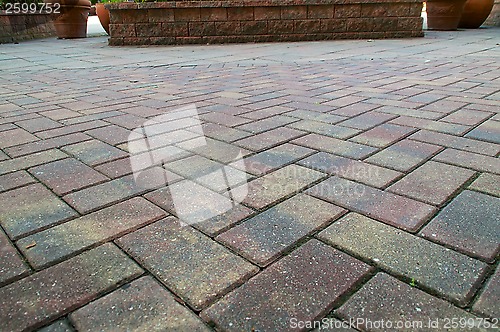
x,y
373,172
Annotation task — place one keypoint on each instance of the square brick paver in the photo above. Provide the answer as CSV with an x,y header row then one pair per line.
x,y
432,183
392,209
469,224
283,182
144,304
351,169
315,268
31,208
74,236
197,269
11,263
406,308
268,235
94,152
453,275
67,175
32,301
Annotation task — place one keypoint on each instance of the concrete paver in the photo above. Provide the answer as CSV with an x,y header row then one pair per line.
x,y
372,170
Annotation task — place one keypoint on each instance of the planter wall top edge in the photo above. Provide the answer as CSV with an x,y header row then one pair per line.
x,y
245,3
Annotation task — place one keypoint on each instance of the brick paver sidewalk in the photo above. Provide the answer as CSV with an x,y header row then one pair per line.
x,y
373,186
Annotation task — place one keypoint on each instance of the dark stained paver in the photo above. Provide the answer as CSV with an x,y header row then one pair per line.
x,y
90,230
268,235
143,304
197,269
283,291
31,208
402,307
453,275
469,224
53,292
392,209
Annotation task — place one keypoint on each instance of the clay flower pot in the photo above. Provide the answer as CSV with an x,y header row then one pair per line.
x,y
475,13
103,15
444,14
71,19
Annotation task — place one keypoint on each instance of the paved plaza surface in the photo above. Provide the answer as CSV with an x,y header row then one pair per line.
x,y
367,196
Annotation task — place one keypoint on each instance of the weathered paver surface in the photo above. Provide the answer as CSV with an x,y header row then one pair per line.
x,y
339,184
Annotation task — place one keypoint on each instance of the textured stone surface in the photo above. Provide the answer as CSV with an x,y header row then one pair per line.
x,y
265,237
383,135
386,298
67,175
392,209
487,183
74,236
356,170
197,269
335,146
11,264
272,187
61,325
104,194
469,224
14,180
31,160
315,268
94,152
31,208
453,275
487,131
15,137
266,161
455,142
432,183
404,155
488,302
53,292
469,160
143,304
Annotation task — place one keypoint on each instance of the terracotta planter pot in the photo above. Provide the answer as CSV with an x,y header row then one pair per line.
x,y
103,15
475,13
444,14
71,21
